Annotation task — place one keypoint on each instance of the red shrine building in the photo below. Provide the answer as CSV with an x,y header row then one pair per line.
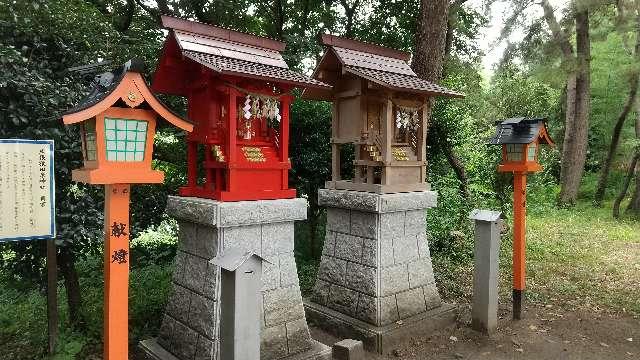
x,y
238,88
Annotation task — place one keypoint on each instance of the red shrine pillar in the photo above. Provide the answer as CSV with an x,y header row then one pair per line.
x,y
233,134
284,138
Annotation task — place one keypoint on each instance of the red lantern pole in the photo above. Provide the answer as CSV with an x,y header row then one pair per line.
x,y
116,272
519,240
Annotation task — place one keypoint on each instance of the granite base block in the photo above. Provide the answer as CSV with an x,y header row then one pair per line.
x,y
380,339
151,350
191,321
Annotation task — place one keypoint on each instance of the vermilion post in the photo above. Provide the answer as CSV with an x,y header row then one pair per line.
x,y
116,272
519,240
284,134
233,134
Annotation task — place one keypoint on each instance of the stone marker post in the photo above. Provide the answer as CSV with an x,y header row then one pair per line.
x,y
484,313
240,304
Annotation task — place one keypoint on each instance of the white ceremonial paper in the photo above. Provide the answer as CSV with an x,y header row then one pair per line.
x,y
27,190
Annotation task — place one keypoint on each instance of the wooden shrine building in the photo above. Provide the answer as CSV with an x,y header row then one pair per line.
x,y
379,106
237,87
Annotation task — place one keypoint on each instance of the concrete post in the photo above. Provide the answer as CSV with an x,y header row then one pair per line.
x,y
240,304
484,312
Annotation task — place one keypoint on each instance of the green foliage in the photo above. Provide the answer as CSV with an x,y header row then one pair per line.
x,y
155,244
22,319
23,313
309,146
307,273
35,88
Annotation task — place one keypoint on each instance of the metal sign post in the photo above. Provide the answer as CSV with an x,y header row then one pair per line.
x,y
27,202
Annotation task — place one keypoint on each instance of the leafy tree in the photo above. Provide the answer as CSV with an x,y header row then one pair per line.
x,y
310,159
633,77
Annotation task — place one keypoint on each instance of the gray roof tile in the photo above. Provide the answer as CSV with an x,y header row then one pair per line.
x,y
401,81
234,66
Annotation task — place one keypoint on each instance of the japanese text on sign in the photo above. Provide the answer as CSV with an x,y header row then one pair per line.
x,y
26,190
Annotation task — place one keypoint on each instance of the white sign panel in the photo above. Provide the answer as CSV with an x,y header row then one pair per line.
x,y
27,196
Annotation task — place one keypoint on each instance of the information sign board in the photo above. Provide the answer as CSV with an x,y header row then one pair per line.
x,y
27,190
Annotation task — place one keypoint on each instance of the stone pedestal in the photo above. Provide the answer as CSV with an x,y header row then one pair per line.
x,y
376,268
190,326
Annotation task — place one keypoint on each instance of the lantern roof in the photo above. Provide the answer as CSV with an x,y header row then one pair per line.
x,y
384,66
234,53
125,84
521,130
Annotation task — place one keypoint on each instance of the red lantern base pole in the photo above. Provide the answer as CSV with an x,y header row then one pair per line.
x,y
116,272
519,242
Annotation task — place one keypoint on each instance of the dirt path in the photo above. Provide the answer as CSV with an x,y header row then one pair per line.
x,y
545,333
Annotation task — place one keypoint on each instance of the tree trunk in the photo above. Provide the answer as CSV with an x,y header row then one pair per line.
x,y
428,57
615,140
442,141
350,13
615,137
625,186
313,214
568,143
574,150
432,36
66,262
574,146
634,205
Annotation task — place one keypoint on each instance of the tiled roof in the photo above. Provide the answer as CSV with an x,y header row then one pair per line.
x,y
228,48
362,59
104,84
385,66
401,81
226,65
232,52
518,131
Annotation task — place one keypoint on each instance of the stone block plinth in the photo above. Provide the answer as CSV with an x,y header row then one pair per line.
x,y
191,322
376,266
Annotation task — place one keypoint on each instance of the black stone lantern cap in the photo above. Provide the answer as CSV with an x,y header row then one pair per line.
x,y
521,130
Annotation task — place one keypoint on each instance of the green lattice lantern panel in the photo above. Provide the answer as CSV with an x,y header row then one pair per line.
x,y
125,139
89,138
